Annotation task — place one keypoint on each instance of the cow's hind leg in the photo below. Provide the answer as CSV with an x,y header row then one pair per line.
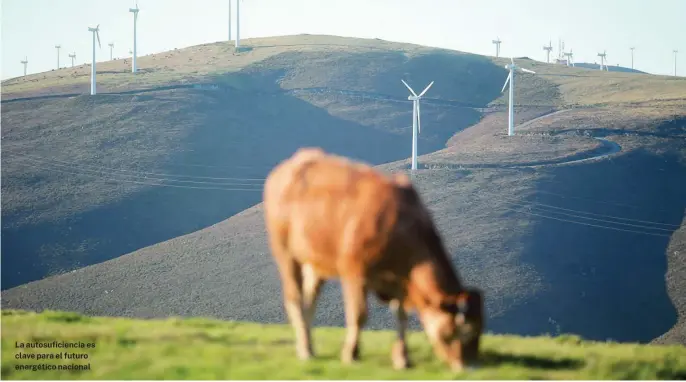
x,y
399,353
291,279
355,296
311,286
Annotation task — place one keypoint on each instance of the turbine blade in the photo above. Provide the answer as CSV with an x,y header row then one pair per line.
x,y
527,70
408,86
506,82
427,88
98,35
419,119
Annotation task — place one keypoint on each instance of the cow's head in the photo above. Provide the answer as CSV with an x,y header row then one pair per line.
x,y
455,327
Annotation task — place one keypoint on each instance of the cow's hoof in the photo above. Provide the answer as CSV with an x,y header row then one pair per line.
x,y
457,367
401,364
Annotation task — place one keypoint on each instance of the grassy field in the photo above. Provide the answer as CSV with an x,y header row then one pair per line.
x,y
210,349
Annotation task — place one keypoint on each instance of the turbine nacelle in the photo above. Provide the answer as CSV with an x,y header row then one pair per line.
x,y
96,30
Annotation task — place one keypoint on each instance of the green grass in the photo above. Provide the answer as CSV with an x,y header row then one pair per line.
x,y
211,349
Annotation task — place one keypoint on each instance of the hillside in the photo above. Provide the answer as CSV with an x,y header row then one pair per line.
x,y
610,68
170,172
210,349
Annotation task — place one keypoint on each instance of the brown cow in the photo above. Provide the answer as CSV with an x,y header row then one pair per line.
x,y
329,217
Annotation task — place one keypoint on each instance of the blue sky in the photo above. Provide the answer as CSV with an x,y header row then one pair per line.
x,y
656,27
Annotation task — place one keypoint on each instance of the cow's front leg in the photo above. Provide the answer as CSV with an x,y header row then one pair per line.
x,y
399,352
355,296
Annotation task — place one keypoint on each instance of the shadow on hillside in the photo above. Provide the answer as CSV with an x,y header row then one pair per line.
x,y
602,283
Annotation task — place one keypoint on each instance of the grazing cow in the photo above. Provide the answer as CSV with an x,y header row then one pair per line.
x,y
329,217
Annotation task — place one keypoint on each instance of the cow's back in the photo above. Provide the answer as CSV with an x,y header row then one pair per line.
x,y
331,212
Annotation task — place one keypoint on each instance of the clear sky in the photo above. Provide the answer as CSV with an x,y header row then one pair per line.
x,y
655,27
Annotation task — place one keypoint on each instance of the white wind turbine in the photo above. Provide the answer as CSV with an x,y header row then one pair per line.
x,y
111,45
510,78
73,57
96,33
58,55
135,21
675,52
25,61
416,118
497,43
570,58
632,56
603,61
548,49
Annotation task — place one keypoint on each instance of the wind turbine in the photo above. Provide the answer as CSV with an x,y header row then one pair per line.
x,y
238,24
73,57
96,33
548,49
510,78
135,20
632,56
416,117
603,61
25,61
570,58
561,49
58,55
111,45
675,52
497,47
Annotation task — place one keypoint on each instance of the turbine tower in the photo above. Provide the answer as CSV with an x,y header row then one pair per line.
x,y
25,61
416,118
548,49
510,78
73,57
111,45
58,55
497,47
230,19
238,24
603,61
675,52
96,33
135,21
632,56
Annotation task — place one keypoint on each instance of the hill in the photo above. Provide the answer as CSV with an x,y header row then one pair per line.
x,y
210,349
610,68
556,223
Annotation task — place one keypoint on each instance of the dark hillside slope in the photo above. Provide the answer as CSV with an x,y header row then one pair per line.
x,y
536,239
86,179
